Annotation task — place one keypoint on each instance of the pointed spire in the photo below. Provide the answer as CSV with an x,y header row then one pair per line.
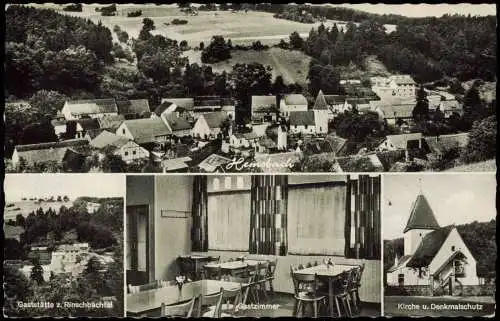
x,y
421,216
320,102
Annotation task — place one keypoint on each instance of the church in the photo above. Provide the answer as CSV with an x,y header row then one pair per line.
x,y
433,256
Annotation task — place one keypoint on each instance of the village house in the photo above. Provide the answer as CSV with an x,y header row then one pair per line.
x,y
92,207
436,146
128,150
244,140
264,109
145,131
184,107
210,104
434,256
133,108
111,123
213,163
178,126
176,165
291,103
396,114
308,122
209,124
79,128
91,108
59,126
393,86
45,152
350,82
411,143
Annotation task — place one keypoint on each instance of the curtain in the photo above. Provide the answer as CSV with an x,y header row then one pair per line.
x,y
199,230
316,215
268,215
228,220
362,225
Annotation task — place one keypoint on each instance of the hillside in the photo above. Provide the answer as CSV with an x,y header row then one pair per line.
x,y
290,64
27,206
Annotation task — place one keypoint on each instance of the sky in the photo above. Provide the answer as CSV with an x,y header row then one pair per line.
x,y
18,186
454,199
425,10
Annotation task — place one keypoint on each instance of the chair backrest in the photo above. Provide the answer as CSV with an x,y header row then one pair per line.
x,y
143,287
361,270
162,283
262,270
214,258
211,299
354,277
179,310
230,260
272,267
300,267
315,263
232,296
305,282
308,265
241,279
212,273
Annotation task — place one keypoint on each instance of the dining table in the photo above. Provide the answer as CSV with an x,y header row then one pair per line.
x,y
149,301
235,267
328,273
196,261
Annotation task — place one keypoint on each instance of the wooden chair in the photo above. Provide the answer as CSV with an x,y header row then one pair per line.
x,y
211,300
184,310
143,287
245,289
212,273
354,285
270,275
231,298
261,278
305,287
340,285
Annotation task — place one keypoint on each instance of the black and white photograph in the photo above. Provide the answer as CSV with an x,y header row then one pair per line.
x,y
243,87
253,245
63,246
439,245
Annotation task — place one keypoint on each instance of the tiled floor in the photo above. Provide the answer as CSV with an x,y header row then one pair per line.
x,y
286,303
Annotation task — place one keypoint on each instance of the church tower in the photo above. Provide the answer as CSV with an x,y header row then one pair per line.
x,y
421,222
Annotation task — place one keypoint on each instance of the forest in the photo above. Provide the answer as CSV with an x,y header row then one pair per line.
x,y
480,238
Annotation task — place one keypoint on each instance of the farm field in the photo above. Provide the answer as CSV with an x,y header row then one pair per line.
x,y
292,65
241,27
26,207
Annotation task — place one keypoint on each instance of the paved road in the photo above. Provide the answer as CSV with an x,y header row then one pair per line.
x,y
438,306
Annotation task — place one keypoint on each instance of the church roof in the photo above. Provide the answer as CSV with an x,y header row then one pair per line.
x,y
429,247
421,216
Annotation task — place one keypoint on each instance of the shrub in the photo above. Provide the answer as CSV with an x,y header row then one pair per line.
x,y
179,22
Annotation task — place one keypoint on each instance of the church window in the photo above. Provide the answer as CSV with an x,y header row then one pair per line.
x,y
401,279
453,248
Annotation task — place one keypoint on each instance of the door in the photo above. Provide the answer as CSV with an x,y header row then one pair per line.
x,y
138,260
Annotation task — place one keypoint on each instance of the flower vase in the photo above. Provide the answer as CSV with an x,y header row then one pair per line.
x,y
179,285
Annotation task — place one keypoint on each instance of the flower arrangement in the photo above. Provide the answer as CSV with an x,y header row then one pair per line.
x,y
180,280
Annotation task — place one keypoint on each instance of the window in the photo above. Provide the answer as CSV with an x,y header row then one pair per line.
x,y
239,182
134,152
453,248
123,131
401,279
228,221
227,182
323,232
126,153
215,184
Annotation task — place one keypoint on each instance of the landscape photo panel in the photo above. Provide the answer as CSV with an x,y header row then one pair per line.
x,y
250,87
63,246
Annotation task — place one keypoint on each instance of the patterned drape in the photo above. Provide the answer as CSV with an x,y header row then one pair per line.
x,y
362,225
199,230
268,218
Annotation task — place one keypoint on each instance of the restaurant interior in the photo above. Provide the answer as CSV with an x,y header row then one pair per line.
x,y
253,245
